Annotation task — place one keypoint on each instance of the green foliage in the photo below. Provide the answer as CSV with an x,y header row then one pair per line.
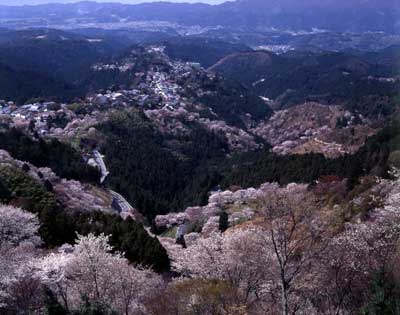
x,y
205,51
78,108
50,68
231,101
341,122
158,178
195,226
54,107
33,196
93,309
327,77
253,169
48,185
384,296
59,121
51,304
394,159
155,177
5,194
382,104
60,157
21,85
53,307
181,241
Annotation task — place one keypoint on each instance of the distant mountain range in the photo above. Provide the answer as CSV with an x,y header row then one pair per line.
x,y
256,15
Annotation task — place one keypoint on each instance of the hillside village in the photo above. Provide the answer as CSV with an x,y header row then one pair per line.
x,y
170,94
197,159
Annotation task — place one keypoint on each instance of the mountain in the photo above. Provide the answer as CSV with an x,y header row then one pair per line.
x,y
202,50
356,15
50,63
327,77
343,16
388,58
21,86
53,53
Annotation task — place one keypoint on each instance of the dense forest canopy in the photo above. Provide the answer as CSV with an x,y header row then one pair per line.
x,y
158,178
154,177
61,158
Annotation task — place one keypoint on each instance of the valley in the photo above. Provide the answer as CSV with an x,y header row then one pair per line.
x,y
186,159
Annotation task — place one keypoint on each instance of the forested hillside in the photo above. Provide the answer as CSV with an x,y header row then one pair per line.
x,y
333,78
202,50
60,157
156,177
159,177
49,63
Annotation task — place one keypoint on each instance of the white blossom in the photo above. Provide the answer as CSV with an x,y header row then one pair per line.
x,y
104,277
17,226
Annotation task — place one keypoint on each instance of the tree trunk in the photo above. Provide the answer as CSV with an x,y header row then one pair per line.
x,y
285,308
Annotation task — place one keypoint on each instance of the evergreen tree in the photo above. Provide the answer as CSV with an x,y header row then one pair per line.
x,y
5,194
26,168
52,306
385,297
181,241
223,221
93,309
48,186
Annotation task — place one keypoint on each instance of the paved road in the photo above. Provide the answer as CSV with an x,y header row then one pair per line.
x,y
121,203
100,162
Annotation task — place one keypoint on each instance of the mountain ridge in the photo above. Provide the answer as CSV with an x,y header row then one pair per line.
x,y
353,16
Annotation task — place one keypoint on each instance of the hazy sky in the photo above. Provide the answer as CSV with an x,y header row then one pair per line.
x,y
22,2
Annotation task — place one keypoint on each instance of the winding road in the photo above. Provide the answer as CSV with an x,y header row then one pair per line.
x,y
100,162
119,202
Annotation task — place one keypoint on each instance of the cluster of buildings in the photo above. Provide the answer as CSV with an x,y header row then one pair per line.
x,y
161,84
36,116
157,87
6,108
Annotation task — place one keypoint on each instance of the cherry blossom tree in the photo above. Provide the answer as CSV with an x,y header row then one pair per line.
x,y
133,286
51,270
352,259
18,244
268,259
18,226
239,256
103,277
296,234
